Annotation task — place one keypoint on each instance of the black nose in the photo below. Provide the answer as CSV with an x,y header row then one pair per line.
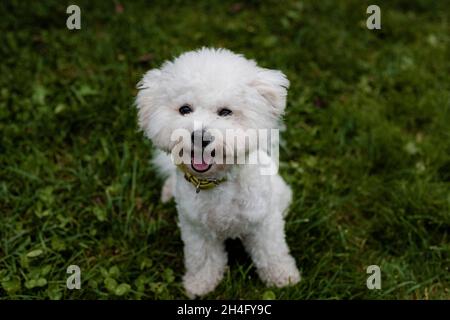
x,y
200,135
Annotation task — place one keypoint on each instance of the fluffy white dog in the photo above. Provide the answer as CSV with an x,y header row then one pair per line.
x,y
214,90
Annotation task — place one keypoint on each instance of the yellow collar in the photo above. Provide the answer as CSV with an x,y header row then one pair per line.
x,y
200,183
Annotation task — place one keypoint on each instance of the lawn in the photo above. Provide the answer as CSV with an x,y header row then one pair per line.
x,y
366,149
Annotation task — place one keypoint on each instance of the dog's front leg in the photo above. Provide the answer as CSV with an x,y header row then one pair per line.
x,y
205,260
269,251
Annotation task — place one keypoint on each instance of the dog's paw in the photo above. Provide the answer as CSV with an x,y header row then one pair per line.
x,y
280,274
198,285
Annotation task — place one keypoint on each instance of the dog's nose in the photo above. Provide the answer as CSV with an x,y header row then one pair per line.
x,y
200,135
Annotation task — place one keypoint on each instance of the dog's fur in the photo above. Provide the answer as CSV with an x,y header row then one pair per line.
x,y
248,205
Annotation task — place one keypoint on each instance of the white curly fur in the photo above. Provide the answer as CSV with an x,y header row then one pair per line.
x,y
248,205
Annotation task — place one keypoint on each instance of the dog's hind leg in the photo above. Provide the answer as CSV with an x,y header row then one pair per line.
x,y
166,170
283,192
167,189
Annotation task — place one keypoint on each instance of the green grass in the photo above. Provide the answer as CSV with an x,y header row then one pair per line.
x,y
366,150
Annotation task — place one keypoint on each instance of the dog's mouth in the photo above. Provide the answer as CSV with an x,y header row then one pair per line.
x,y
200,165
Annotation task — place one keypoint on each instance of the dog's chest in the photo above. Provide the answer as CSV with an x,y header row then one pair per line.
x,y
224,211
228,219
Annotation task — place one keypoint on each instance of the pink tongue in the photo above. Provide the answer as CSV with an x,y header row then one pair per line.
x,y
199,165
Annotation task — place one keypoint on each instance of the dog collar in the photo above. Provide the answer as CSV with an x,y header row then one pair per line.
x,y
200,183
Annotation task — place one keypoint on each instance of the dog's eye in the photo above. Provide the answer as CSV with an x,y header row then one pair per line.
x,y
185,109
224,112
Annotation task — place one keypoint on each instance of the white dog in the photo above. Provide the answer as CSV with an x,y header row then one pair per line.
x,y
217,200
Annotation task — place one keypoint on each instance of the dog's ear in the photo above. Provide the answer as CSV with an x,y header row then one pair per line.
x,y
149,79
146,97
272,85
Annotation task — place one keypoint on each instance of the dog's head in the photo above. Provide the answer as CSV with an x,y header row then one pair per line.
x,y
189,106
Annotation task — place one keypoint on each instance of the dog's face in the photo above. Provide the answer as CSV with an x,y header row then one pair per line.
x,y
188,106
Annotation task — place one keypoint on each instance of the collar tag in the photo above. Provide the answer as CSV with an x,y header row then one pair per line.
x,y
197,188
